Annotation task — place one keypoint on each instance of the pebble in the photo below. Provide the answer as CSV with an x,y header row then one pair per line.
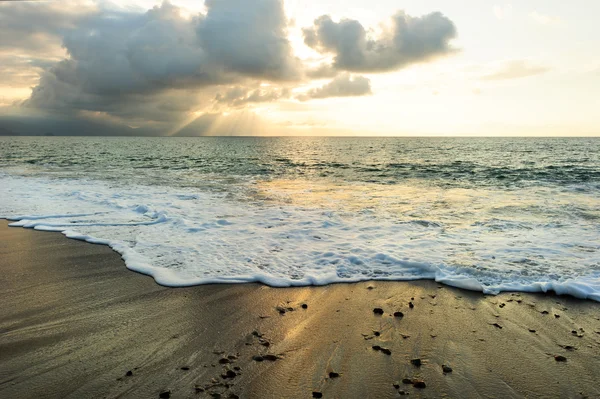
x,y
229,374
446,368
560,358
403,393
416,362
396,385
378,311
531,330
165,394
398,314
376,347
497,325
129,373
333,374
223,360
317,394
304,306
419,384
386,351
407,381
411,305
257,358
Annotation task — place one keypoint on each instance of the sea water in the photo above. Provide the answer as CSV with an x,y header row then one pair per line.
x,y
487,214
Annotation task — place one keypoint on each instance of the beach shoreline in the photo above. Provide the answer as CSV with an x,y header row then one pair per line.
x,y
75,322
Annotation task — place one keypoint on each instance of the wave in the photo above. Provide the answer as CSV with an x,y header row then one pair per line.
x,y
184,237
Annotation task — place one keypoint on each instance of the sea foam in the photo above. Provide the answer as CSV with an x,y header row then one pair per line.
x,y
185,237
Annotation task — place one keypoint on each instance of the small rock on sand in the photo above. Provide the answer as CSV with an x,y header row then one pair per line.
x,y
531,330
229,374
165,394
411,305
304,306
333,374
416,362
419,384
129,373
398,314
386,351
376,347
378,311
560,358
317,394
446,368
407,381
257,358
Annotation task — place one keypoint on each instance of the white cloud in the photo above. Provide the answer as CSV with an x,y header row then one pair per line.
x,y
515,69
543,19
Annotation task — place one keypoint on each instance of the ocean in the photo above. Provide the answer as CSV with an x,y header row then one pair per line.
x,y
485,214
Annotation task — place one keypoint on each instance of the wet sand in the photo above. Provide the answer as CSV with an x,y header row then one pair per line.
x,y
74,321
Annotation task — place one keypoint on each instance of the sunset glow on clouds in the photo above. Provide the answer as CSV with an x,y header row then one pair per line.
x,y
300,67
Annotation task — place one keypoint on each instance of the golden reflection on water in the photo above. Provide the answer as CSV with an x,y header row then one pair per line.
x,y
399,199
452,206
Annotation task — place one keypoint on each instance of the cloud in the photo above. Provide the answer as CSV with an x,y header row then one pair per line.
x,y
408,40
240,96
249,39
39,26
124,62
543,19
343,85
159,68
516,69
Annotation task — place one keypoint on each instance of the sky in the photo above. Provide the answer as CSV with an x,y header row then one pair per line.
x,y
300,67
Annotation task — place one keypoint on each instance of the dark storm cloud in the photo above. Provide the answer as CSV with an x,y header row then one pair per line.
x,y
36,26
409,40
120,68
249,38
343,85
120,60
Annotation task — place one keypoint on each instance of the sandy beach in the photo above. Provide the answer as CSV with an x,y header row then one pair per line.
x,y
75,322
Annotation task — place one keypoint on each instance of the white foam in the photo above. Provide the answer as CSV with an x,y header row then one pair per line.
x,y
182,237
